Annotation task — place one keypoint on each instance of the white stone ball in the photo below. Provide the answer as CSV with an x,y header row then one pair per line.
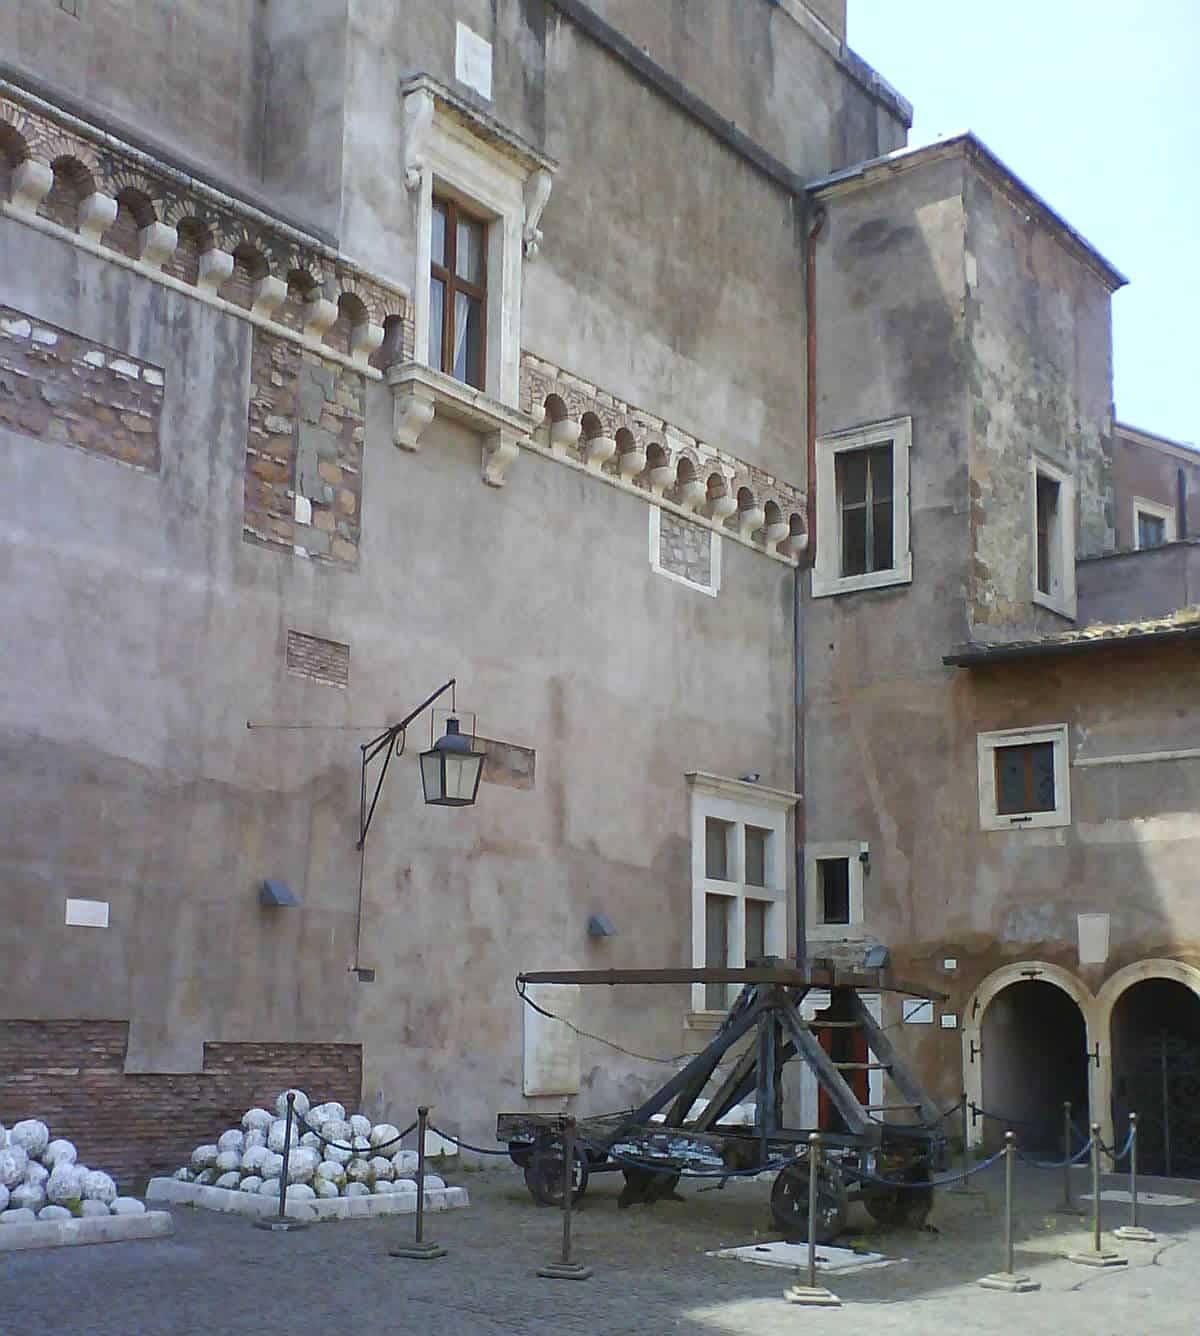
x,y
358,1170
206,1178
338,1155
31,1196
234,1139
300,1192
228,1162
256,1136
3,1197
362,1146
32,1135
300,1105
302,1164
59,1152
37,1174
405,1162
384,1186
360,1126
381,1167
357,1190
13,1161
311,1140
98,1186
325,1187
204,1157
18,1215
331,1172
335,1111
251,1183
278,1135
183,1175
272,1166
66,1184
53,1212
269,1187
230,1181
406,1184
254,1119
382,1134
434,1181
128,1206
93,1207
254,1158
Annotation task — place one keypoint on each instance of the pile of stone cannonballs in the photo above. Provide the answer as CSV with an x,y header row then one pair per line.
x,y
364,1157
41,1180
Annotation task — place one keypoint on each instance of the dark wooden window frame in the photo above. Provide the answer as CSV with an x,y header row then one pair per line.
x,y
1048,510
874,455
1028,751
452,284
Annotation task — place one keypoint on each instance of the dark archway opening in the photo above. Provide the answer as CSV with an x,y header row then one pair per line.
x,y
1034,1057
1156,1074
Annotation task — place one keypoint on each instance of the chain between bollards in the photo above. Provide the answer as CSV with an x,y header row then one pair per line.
x,y
420,1249
965,1188
1133,1232
565,1268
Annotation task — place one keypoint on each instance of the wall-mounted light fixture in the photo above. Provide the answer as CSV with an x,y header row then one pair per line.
x,y
276,893
864,855
450,770
877,958
600,925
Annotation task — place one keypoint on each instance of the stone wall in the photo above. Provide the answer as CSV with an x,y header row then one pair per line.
x,y
57,386
71,1074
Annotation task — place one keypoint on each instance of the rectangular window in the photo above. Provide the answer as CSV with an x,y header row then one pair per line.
x,y
834,874
458,293
756,930
1152,530
833,877
1153,523
716,849
1047,532
1023,778
716,946
864,488
1053,548
757,845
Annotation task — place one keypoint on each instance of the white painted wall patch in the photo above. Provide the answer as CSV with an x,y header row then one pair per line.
x,y
551,1046
87,913
916,1011
473,60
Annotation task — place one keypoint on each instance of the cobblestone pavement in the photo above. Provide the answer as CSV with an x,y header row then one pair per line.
x,y
219,1275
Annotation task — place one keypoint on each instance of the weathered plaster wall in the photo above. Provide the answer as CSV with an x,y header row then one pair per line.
x,y
1039,334
143,632
1152,474
1131,586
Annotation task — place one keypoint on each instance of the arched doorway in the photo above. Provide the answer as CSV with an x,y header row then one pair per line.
x,y
1034,1057
1156,1074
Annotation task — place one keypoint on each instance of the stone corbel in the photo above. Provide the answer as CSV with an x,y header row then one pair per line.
x,y
794,546
412,412
156,244
750,518
563,434
598,450
537,193
364,340
632,461
97,213
31,183
691,494
774,534
215,267
269,295
719,508
499,451
418,118
317,316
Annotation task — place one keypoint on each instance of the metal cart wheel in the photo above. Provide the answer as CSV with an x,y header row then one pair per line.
x,y
544,1174
901,1207
789,1202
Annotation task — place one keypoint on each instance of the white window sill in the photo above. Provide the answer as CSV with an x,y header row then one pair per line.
x,y
824,585
836,932
1060,606
1018,821
708,1021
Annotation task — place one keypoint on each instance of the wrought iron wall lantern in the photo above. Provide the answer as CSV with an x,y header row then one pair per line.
x,y
450,770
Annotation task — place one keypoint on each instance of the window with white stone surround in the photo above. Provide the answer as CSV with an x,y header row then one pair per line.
x,y
863,509
1053,537
739,878
1024,778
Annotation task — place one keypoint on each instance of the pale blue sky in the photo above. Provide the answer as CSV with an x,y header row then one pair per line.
x,y
1095,104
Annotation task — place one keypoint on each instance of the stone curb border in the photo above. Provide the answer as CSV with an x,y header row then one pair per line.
x,y
235,1202
88,1229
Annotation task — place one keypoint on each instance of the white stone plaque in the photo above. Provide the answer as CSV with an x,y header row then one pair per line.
x,y
916,1011
551,1046
1093,938
87,913
473,61
949,1020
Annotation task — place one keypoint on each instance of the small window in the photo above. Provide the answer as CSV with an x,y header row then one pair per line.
x,y
1053,555
716,849
1023,778
757,844
1153,524
716,946
458,294
834,890
756,930
864,489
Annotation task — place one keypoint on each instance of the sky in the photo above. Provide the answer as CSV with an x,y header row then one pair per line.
x,y
1094,104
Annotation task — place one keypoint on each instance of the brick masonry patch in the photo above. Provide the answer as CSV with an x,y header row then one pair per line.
x,y
57,386
326,661
304,450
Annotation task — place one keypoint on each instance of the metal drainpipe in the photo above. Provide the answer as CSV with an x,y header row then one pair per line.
x,y
1181,524
810,397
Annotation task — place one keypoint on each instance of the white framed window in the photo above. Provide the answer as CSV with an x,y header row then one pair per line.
x,y
739,878
1053,502
833,891
1153,524
863,509
1024,778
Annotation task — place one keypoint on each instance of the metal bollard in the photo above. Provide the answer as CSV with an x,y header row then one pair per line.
x,y
280,1224
1097,1255
965,1188
1008,1279
565,1268
812,1293
1067,1206
1134,1232
420,1250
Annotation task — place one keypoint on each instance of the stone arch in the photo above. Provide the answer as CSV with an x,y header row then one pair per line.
x,y
74,181
1020,971
14,149
351,312
391,350
135,210
796,543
